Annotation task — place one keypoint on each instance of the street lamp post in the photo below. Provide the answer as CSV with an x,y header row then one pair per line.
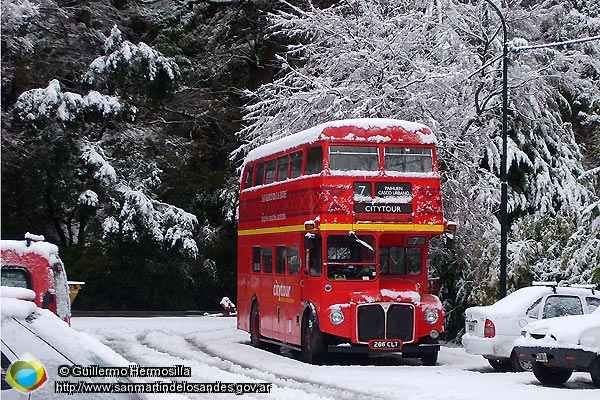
x,y
503,159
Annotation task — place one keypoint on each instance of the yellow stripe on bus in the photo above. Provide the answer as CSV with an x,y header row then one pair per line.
x,y
386,227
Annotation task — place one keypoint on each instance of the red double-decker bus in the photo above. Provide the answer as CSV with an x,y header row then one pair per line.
x,y
334,227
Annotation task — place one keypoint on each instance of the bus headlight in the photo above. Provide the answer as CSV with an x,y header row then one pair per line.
x,y
336,316
431,316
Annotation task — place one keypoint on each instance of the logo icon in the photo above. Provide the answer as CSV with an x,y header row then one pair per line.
x,y
26,374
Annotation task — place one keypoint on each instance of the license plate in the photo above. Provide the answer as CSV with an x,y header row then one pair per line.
x,y
380,344
471,326
541,357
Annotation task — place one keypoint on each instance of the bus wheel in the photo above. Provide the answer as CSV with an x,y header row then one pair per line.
x,y
255,326
313,344
429,359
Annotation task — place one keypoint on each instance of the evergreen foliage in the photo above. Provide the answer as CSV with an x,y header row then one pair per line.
x,y
119,122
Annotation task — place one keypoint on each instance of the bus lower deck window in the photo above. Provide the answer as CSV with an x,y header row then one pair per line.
x,y
267,260
398,260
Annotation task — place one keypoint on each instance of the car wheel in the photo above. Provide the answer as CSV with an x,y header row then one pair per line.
x,y
313,344
500,365
595,371
517,365
549,375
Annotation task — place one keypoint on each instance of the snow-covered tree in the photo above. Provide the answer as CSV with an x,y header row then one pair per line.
x,y
439,62
114,183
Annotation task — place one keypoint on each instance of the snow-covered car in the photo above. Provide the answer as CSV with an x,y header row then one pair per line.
x,y
44,343
559,346
491,330
35,264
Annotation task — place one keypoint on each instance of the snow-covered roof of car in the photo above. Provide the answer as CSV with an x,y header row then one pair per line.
x,y
33,244
521,299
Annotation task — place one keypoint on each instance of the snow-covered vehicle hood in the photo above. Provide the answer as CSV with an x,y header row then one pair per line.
x,y
581,331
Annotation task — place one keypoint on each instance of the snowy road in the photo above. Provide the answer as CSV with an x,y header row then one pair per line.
x,y
216,351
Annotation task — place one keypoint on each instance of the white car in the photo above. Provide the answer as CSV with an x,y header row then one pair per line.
x,y
559,346
42,340
491,331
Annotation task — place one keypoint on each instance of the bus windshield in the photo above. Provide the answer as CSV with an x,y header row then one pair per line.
x,y
351,257
398,260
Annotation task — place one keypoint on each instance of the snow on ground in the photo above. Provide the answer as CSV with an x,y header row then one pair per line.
x,y
217,352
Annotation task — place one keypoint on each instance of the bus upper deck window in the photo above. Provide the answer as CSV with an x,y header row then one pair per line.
x,y
270,171
314,160
354,158
408,159
283,164
260,173
249,173
296,164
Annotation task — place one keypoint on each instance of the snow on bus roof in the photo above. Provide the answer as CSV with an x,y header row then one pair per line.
x,y
315,133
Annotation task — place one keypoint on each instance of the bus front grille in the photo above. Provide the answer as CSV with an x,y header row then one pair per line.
x,y
393,322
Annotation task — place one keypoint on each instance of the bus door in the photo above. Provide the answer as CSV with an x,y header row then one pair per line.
x,y
311,273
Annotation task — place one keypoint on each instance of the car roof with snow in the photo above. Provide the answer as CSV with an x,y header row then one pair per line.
x,y
519,300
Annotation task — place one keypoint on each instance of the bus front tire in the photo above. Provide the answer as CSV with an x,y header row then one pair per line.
x,y
255,327
429,359
313,344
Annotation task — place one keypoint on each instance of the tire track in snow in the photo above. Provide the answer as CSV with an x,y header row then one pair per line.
x,y
309,386
190,349
146,344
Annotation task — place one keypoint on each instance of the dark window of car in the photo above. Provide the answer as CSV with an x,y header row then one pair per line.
x,y
354,158
267,260
559,306
283,164
592,303
5,364
534,310
16,277
314,160
280,259
296,164
293,260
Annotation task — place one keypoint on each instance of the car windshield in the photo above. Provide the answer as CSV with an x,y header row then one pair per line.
x,y
559,306
15,278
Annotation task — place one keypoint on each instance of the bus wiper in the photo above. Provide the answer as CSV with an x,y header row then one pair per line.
x,y
360,241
